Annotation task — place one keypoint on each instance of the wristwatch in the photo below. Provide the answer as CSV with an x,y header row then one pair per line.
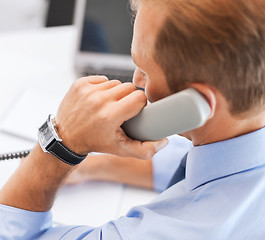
x,y
51,143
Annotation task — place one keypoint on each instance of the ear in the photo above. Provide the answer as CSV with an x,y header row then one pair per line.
x,y
209,93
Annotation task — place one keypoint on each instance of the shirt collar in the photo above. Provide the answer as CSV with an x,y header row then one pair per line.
x,y
213,161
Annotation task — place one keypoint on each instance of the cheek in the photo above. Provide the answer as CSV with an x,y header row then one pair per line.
x,y
152,92
155,92
155,85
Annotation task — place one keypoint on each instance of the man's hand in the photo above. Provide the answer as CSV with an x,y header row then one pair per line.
x,y
90,116
88,119
107,167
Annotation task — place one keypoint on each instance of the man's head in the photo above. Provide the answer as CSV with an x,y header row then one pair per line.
x,y
217,44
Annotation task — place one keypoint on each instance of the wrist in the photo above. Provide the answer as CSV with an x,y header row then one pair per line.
x,y
50,161
47,180
51,142
41,175
66,134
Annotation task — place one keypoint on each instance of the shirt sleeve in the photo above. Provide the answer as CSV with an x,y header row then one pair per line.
x,y
166,161
108,231
17,224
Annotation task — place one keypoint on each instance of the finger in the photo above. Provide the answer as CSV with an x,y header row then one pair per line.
x,y
143,150
121,90
130,105
107,85
94,79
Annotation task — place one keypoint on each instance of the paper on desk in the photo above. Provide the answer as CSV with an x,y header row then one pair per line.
x,y
29,112
91,203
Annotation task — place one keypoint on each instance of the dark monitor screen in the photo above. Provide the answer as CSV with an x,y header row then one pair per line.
x,y
107,27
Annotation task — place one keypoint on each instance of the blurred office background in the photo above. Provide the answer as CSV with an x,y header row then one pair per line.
x,y
31,14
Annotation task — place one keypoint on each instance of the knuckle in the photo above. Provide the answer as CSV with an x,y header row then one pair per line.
x,y
98,99
104,117
97,77
112,83
88,79
101,77
130,85
148,150
77,85
81,81
115,81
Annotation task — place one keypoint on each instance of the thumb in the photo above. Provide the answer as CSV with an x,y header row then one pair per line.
x,y
145,150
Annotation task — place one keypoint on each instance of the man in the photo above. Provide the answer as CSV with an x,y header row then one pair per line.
x,y
214,46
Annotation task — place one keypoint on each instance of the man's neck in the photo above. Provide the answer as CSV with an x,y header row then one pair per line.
x,y
222,128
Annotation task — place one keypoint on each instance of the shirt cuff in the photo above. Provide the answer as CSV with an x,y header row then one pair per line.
x,y
166,161
21,224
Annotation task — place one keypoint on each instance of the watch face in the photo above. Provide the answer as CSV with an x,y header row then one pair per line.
x,y
45,134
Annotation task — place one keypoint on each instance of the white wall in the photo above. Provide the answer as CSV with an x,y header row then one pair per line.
x,y
22,14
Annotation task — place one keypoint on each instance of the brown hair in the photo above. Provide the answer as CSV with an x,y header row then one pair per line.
x,y
217,42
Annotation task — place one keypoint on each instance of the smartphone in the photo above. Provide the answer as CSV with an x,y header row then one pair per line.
x,y
177,113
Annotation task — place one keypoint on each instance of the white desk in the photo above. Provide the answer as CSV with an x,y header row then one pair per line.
x,y
43,59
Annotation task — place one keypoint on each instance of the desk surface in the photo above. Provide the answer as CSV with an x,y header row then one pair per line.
x,y
43,59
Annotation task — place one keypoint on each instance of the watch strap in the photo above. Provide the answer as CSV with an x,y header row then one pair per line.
x,y
65,154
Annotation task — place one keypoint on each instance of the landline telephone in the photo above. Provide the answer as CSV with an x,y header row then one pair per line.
x,y
177,113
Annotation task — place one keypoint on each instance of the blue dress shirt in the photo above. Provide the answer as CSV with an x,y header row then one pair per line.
x,y
221,197
166,161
